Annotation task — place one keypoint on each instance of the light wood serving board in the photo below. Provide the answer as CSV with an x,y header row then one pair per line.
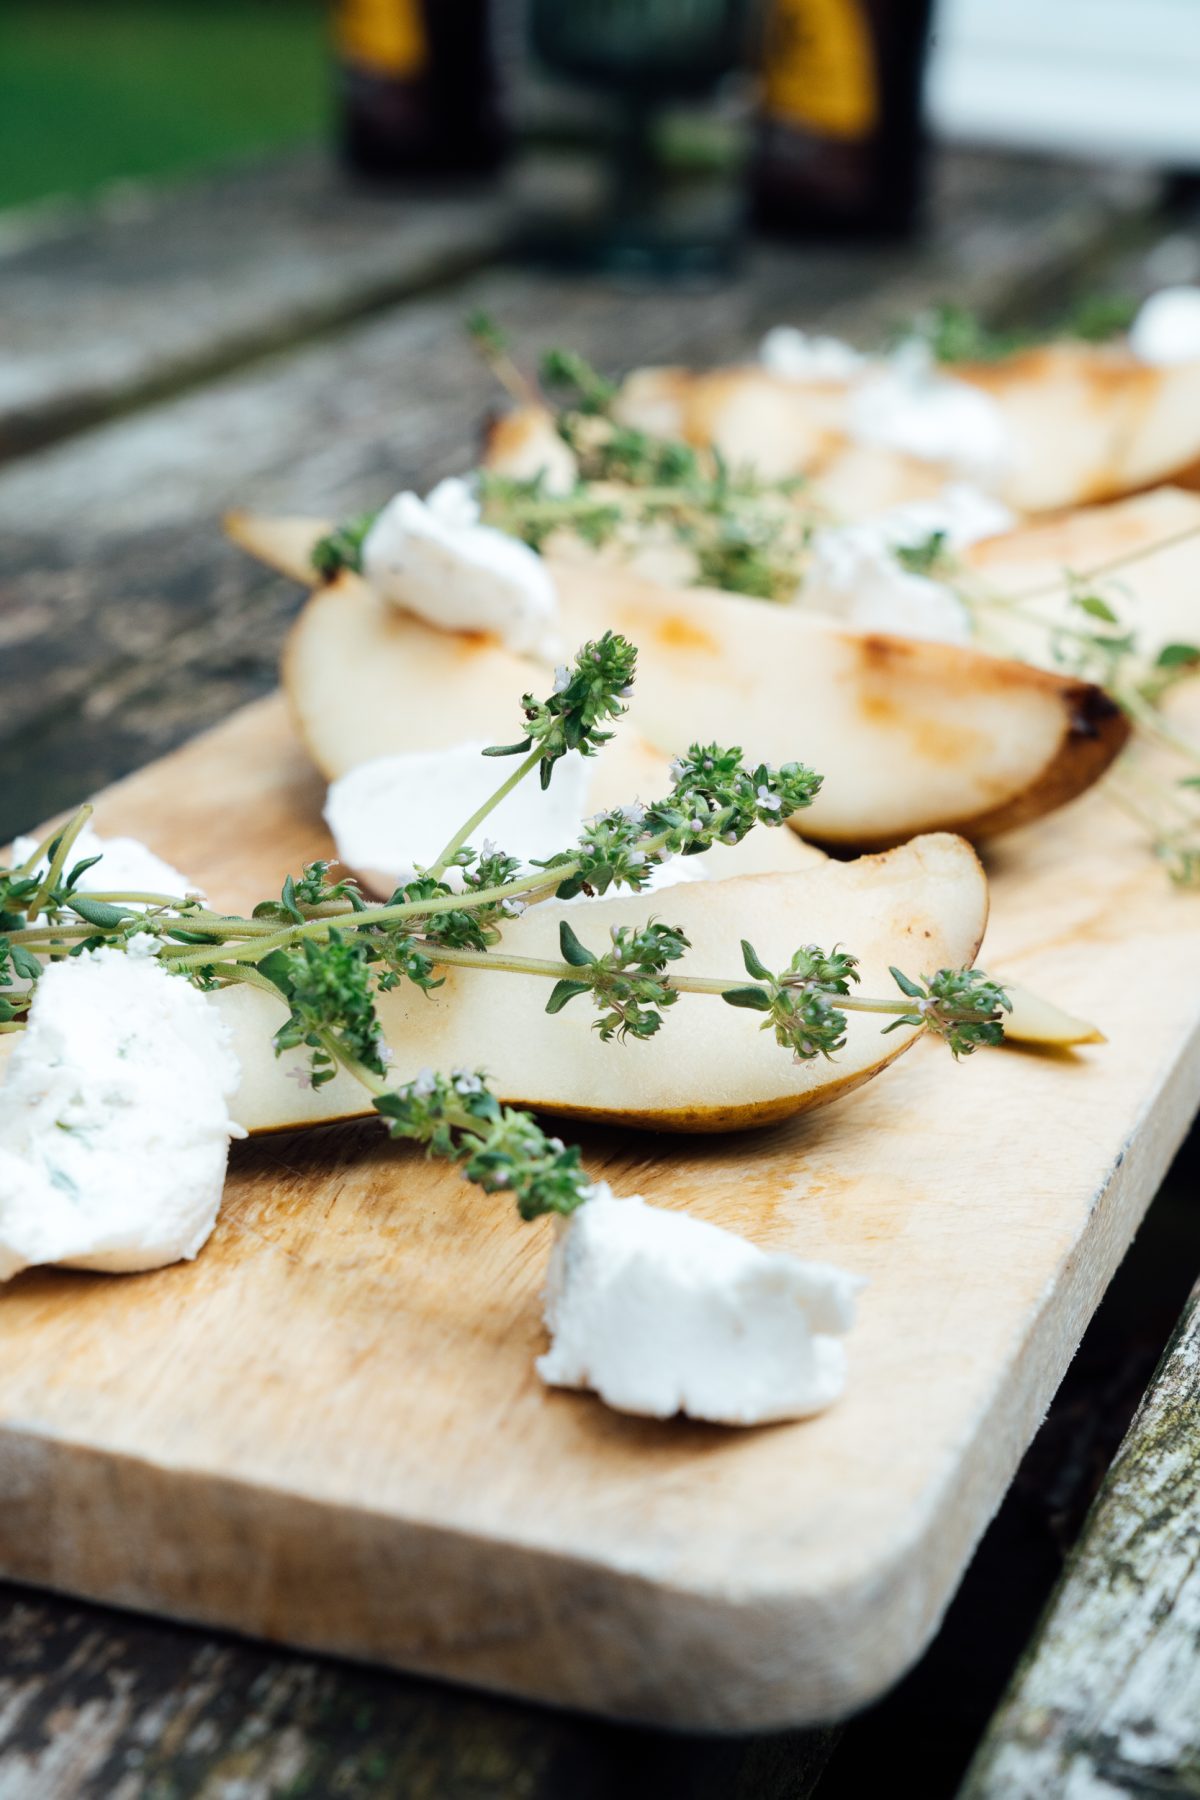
x,y
328,1431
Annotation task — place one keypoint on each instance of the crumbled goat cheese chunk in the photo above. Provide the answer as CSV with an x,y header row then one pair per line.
x,y
126,865
854,573
434,558
114,1124
910,405
661,1313
800,356
1167,327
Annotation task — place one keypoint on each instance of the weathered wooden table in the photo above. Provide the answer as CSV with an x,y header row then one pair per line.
x,y
273,338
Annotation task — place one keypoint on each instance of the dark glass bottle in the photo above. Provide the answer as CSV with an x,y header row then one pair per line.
x,y
839,148
640,58
418,88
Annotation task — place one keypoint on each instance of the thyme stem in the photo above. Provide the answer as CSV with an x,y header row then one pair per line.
x,y
462,835
49,881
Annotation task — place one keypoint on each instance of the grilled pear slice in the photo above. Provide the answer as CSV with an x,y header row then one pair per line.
x,y
910,735
710,1068
364,680
1087,422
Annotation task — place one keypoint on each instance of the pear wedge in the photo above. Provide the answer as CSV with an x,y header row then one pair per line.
x,y
1152,544
710,1068
910,736
364,680
1034,1020
920,907
1087,422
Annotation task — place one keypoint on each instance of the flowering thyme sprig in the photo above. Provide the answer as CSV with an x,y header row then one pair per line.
x,y
328,987
586,695
715,800
806,1005
961,1006
502,1148
799,1002
626,982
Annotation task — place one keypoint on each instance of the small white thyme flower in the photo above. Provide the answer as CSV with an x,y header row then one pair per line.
x,y
562,679
424,1085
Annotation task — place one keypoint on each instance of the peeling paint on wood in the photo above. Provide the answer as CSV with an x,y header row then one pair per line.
x,y
105,1706
1107,1702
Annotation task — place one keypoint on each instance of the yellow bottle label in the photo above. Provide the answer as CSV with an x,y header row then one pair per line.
x,y
819,69
385,36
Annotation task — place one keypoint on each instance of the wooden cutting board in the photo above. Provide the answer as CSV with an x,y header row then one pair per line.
x,y
328,1430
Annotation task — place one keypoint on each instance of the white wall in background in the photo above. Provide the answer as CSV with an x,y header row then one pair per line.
x,y
1118,78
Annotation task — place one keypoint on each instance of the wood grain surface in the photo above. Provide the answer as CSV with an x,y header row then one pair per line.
x,y
154,286
328,1430
1107,1702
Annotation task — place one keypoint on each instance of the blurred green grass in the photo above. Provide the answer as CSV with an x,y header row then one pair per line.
x,y
92,91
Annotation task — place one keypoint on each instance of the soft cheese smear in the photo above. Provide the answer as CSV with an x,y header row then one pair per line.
x,y
392,816
434,558
854,573
126,865
114,1123
803,356
661,1313
1167,327
910,405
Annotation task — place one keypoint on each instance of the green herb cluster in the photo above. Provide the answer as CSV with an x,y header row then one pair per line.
x,y
329,953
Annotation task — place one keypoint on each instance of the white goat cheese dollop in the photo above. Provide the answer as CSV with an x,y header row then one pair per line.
x,y
910,405
799,356
660,1313
391,817
854,573
114,1123
434,558
127,865
1167,327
